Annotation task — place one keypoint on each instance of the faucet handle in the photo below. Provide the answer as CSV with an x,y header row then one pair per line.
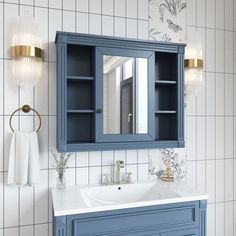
x,y
105,179
128,177
119,162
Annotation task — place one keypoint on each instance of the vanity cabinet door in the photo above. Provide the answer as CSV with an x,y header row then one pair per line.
x,y
153,220
190,232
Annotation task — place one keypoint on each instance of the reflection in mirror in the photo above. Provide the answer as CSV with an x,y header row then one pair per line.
x,y
125,95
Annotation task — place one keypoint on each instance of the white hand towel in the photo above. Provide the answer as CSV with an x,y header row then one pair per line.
x,y
23,165
34,166
11,162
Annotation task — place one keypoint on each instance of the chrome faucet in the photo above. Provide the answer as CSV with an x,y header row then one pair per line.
x,y
119,165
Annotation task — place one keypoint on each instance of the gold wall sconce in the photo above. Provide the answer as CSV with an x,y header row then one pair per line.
x,y
26,52
193,64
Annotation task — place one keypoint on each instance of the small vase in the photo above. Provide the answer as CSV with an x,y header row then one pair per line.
x,y
61,182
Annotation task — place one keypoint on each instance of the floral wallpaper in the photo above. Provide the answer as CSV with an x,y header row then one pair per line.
x,y
176,159
167,20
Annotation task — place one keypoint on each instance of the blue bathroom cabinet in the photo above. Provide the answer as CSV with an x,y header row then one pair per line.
x,y
80,95
177,219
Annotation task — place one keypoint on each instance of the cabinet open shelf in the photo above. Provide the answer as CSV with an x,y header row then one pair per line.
x,y
166,95
80,60
80,78
80,111
166,66
80,127
165,98
165,82
165,112
166,126
80,95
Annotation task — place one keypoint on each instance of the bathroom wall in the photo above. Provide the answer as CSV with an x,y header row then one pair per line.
x,y
210,121
210,113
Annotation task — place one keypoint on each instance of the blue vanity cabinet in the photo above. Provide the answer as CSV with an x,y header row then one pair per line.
x,y
80,106
176,219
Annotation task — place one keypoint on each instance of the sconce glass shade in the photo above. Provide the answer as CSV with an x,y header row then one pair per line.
x,y
193,67
26,52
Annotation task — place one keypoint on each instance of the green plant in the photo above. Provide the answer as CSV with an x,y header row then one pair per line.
x,y
61,160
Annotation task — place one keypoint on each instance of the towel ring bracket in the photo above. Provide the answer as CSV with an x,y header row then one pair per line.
x,y
25,109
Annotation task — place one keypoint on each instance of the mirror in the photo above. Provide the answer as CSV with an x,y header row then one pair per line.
x,y
125,95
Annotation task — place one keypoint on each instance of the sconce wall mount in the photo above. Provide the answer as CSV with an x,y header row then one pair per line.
x,y
26,52
193,63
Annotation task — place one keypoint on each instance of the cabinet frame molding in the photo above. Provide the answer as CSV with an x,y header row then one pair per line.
x,y
100,136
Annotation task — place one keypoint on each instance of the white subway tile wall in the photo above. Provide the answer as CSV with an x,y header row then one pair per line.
x,y
210,113
211,152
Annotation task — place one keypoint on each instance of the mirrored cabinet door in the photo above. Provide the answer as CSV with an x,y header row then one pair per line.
x,y
125,90
125,95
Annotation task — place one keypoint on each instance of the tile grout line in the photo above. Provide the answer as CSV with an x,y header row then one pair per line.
x,y
48,118
89,15
3,134
34,196
215,114
224,122
113,18
75,154
206,172
137,164
196,121
211,28
101,15
234,224
19,127
137,24
126,18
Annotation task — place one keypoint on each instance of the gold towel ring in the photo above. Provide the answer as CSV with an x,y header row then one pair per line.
x,y
26,109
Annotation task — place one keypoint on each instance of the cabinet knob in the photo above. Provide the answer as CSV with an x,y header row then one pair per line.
x,y
99,110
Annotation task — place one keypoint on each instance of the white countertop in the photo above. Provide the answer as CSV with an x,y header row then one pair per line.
x,y
71,201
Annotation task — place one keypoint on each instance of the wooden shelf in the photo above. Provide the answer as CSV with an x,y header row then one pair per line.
x,y
80,111
165,82
80,78
165,112
81,142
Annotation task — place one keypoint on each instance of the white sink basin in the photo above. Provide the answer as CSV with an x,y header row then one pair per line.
x,y
85,199
128,193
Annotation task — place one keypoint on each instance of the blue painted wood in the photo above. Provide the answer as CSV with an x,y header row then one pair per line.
x,y
151,95
80,78
83,146
177,219
103,41
61,95
203,218
79,63
80,111
165,112
165,82
181,96
59,226
189,232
